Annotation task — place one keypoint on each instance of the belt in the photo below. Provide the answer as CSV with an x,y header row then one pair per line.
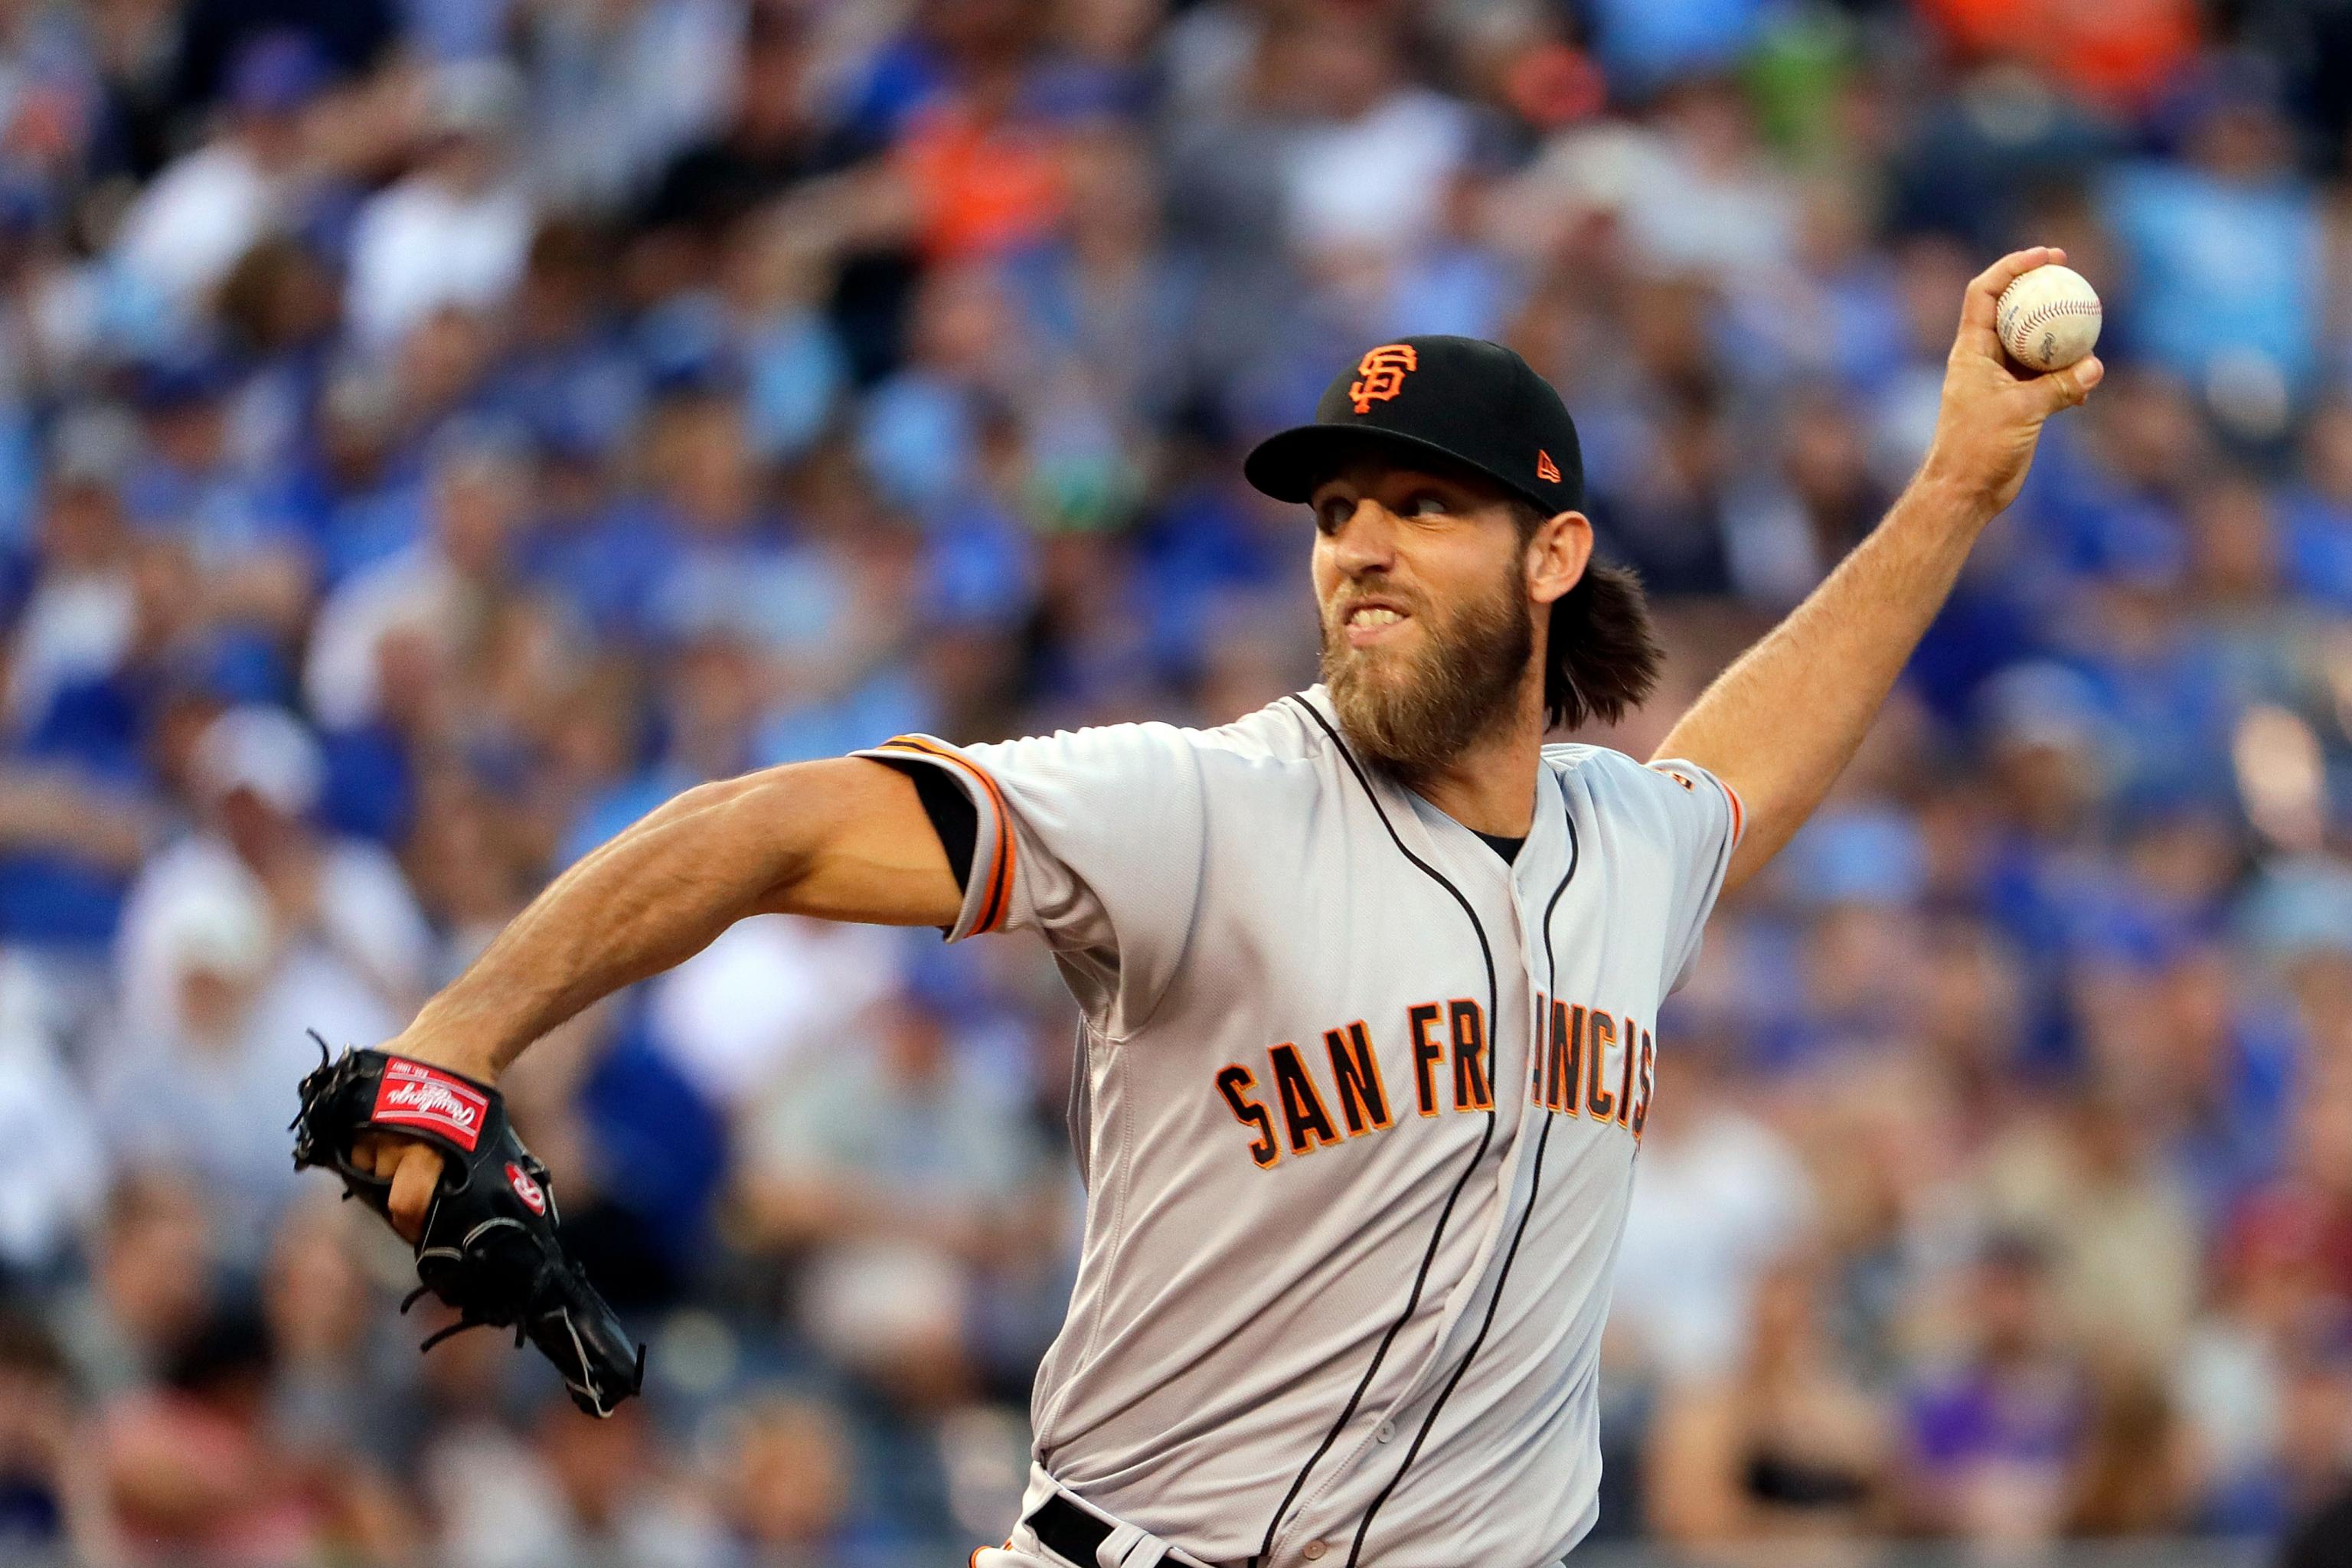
x,y
1077,1531
1068,1530
1065,1529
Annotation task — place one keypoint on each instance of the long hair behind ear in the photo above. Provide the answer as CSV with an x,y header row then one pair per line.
x,y
1603,653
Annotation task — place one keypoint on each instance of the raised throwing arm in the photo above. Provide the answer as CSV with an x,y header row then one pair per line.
x,y
1782,723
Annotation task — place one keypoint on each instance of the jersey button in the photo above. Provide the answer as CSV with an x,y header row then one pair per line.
x,y
1313,1551
1386,1431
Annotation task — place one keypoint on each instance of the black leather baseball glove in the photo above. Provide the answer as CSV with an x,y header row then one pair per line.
x,y
488,1246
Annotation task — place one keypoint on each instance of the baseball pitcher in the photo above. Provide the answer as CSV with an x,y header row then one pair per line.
x,y
1369,978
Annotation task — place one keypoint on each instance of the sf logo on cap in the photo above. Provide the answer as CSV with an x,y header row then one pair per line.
x,y
1383,370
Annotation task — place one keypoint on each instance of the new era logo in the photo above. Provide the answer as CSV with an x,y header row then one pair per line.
x,y
1546,469
414,1095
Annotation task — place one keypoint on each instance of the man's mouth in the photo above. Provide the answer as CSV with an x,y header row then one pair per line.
x,y
1369,620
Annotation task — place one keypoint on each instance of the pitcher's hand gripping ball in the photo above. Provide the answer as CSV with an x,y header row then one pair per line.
x,y
489,1245
2048,317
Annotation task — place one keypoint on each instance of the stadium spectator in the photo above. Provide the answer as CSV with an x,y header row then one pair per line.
x,y
1722,1198
1787,1445
455,231
907,1178
202,212
1995,1438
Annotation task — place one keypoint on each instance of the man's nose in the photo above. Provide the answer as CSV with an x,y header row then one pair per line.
x,y
1365,539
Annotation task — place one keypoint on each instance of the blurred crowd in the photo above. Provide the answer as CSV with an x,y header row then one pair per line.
x,y
432,432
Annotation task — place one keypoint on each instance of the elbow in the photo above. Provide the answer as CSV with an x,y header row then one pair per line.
x,y
727,805
761,825
713,793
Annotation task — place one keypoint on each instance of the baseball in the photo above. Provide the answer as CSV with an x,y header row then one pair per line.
x,y
2048,317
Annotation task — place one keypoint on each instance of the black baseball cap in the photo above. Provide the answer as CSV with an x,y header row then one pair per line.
x,y
1474,403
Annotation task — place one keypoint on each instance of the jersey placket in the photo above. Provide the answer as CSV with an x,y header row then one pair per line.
x,y
1437,1373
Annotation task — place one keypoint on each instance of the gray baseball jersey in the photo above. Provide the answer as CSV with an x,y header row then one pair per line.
x,y
1358,1113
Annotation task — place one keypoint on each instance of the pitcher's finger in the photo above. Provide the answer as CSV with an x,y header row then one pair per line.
x,y
2068,388
1983,300
412,1185
378,1156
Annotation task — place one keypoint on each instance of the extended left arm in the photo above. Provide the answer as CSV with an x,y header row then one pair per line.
x,y
1782,723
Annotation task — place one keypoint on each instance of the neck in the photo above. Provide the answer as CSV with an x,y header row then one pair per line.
x,y
1490,787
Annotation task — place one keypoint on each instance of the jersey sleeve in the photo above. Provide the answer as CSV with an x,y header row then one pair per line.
x,y
1705,820
1094,839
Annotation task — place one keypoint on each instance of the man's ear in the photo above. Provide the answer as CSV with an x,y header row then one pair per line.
x,y
1557,554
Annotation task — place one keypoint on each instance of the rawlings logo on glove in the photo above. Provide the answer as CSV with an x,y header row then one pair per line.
x,y
533,1195
414,1095
488,1246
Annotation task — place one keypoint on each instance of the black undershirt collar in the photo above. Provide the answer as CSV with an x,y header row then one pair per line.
x,y
1508,849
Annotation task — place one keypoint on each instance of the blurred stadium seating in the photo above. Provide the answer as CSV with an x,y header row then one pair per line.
x,y
432,432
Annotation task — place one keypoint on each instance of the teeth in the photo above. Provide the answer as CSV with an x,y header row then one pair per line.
x,y
1373,615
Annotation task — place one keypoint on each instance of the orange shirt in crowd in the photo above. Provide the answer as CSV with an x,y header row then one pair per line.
x,y
982,187
2119,52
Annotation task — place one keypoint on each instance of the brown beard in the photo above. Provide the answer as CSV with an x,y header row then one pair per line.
x,y
1415,715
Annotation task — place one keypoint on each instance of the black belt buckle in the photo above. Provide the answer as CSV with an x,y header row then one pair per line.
x,y
1068,1530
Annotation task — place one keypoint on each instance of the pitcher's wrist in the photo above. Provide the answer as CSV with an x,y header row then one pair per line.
x,y
1953,494
446,1047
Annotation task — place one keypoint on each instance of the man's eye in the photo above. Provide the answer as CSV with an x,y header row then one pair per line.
x,y
1426,505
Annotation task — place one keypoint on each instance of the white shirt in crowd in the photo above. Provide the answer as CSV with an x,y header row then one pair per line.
x,y
422,245
189,227
367,919
1719,1201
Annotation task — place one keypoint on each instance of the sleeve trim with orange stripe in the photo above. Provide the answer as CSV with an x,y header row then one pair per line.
x,y
998,900
1730,795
